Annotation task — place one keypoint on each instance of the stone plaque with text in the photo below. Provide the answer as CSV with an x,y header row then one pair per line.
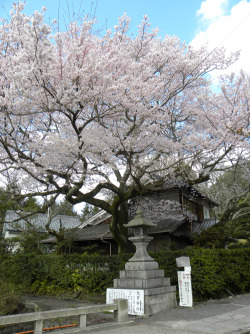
x,y
135,299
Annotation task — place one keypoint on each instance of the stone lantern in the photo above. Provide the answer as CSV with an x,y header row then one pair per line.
x,y
142,282
140,239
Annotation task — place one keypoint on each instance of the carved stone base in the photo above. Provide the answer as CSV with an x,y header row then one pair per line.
x,y
157,302
159,295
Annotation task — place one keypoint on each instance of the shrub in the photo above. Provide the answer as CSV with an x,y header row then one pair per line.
x,y
215,272
9,298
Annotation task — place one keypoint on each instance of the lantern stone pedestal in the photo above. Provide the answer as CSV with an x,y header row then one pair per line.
x,y
143,273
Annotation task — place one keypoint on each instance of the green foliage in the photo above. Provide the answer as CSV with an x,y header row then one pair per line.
x,y
227,187
43,287
9,298
233,231
237,222
53,274
30,205
88,211
6,203
62,208
209,279
6,245
29,241
214,237
64,237
214,271
9,295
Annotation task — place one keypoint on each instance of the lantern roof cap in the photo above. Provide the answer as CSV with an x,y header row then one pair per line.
x,y
140,221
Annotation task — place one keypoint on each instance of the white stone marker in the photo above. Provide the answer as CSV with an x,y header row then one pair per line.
x,y
135,299
184,282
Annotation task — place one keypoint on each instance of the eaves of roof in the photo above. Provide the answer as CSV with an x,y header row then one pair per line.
x,y
96,219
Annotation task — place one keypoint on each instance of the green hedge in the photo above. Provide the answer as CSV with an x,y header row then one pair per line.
x,y
56,274
215,273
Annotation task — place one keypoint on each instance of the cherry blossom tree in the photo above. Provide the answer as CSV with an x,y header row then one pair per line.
x,y
84,114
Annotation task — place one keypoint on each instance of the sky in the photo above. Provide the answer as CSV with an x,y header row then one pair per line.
x,y
215,22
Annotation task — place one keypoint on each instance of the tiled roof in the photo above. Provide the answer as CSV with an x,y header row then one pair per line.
x,y
168,225
172,226
204,225
96,232
102,231
39,220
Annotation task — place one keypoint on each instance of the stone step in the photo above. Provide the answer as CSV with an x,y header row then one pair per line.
x,y
142,274
155,306
141,265
160,290
141,283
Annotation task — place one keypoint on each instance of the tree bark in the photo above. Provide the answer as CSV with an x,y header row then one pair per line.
x,y
119,218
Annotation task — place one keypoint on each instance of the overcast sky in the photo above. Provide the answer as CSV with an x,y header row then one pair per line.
x,y
217,22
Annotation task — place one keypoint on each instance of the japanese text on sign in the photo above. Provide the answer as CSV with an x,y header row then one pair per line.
x,y
185,288
135,299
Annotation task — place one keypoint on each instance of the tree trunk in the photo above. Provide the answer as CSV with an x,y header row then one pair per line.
x,y
119,218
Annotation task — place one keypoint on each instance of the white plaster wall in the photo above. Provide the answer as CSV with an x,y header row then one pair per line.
x,y
206,212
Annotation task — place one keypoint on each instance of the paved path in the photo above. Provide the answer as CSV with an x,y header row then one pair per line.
x,y
224,316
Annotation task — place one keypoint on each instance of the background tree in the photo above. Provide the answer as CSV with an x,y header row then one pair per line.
x,y
61,208
228,185
29,241
30,205
231,190
232,231
88,211
84,115
236,221
213,237
64,237
6,203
